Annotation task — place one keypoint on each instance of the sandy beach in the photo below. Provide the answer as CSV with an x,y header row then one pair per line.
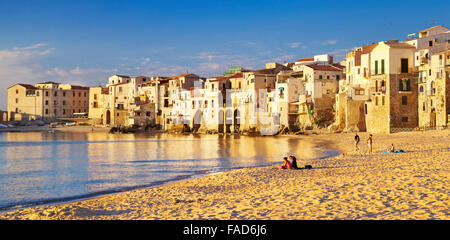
x,y
353,185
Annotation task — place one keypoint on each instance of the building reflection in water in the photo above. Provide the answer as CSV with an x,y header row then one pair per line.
x,y
39,166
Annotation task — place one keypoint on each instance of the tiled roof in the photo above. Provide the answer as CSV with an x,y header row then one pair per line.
x,y
181,75
27,86
398,44
325,67
305,60
80,88
49,83
237,75
124,76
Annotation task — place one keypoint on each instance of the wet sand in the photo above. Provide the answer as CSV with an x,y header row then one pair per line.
x,y
353,185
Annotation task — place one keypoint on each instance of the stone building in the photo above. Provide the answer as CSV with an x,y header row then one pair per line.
x,y
431,46
121,102
47,101
434,91
393,88
354,90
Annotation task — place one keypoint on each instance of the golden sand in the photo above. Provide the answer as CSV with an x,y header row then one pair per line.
x,y
354,185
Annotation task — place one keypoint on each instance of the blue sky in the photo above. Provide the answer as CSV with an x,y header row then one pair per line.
x,y
83,42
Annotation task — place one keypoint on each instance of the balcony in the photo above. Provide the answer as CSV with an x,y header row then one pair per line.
x,y
378,90
401,70
379,72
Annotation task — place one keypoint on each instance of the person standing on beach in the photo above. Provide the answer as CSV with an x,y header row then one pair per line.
x,y
369,143
356,142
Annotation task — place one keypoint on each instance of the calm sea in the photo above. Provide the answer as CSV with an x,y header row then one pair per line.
x,y
43,167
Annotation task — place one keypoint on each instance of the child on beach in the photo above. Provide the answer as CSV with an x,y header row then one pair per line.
x,y
369,143
286,164
356,142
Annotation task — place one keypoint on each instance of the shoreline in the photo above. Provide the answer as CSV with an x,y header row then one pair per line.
x,y
73,199
351,185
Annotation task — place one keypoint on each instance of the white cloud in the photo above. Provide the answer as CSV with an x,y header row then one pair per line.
x,y
329,42
295,44
23,65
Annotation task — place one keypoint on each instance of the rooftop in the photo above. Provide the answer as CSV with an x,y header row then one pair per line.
x,y
327,67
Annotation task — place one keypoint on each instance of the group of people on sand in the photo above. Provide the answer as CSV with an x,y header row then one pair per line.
x,y
369,142
391,148
291,163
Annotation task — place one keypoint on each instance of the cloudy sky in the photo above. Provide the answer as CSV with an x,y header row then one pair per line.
x,y
83,42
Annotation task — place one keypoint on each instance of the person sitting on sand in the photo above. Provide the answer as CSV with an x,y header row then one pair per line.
x,y
294,162
286,164
369,143
391,149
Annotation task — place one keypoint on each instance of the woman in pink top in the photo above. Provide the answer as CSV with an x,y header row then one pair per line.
x,y
286,164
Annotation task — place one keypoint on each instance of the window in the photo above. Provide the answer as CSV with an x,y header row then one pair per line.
x,y
64,94
376,67
382,66
328,76
55,111
56,94
404,85
64,111
404,100
17,100
421,89
46,102
17,91
404,65
37,94
79,94
46,93
320,76
430,43
95,96
17,110
424,106
46,111
376,100
404,119
55,103
338,77
85,94
382,100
